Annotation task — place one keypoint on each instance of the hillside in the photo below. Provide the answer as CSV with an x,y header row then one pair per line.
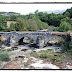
x,y
9,13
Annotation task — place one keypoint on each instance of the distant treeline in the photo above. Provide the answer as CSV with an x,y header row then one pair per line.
x,y
37,21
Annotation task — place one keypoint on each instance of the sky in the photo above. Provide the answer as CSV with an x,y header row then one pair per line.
x,y
31,8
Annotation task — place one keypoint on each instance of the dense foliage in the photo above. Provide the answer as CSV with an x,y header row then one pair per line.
x,y
3,23
67,45
37,21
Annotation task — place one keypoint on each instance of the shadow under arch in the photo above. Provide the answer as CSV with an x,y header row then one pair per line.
x,y
20,42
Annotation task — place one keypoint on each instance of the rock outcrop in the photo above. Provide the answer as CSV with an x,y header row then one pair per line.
x,y
2,38
55,41
26,40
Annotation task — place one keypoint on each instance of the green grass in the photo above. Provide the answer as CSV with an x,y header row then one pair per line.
x,y
49,56
45,51
34,54
8,50
44,54
57,39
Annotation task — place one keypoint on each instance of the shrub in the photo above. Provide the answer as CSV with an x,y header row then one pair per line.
x,y
9,50
4,56
45,51
70,51
66,46
34,54
64,26
31,40
52,28
43,56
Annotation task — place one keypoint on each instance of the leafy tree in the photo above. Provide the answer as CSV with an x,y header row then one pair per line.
x,y
64,26
32,24
40,24
36,12
43,16
3,23
50,19
12,27
20,25
13,18
67,19
66,14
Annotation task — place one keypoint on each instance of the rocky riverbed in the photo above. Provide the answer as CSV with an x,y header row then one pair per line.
x,y
24,57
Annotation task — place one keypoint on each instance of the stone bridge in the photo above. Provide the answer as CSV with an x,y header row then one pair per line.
x,y
15,36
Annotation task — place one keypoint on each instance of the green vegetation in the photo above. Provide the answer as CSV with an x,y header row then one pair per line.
x,y
8,50
49,56
12,27
31,23
45,54
52,28
37,21
3,23
64,26
31,40
67,46
4,56
57,39
34,54
45,51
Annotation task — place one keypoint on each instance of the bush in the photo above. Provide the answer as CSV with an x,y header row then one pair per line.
x,y
4,56
34,54
52,28
43,56
64,26
31,40
45,51
9,50
70,51
66,46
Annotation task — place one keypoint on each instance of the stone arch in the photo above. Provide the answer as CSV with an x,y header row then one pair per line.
x,y
24,40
